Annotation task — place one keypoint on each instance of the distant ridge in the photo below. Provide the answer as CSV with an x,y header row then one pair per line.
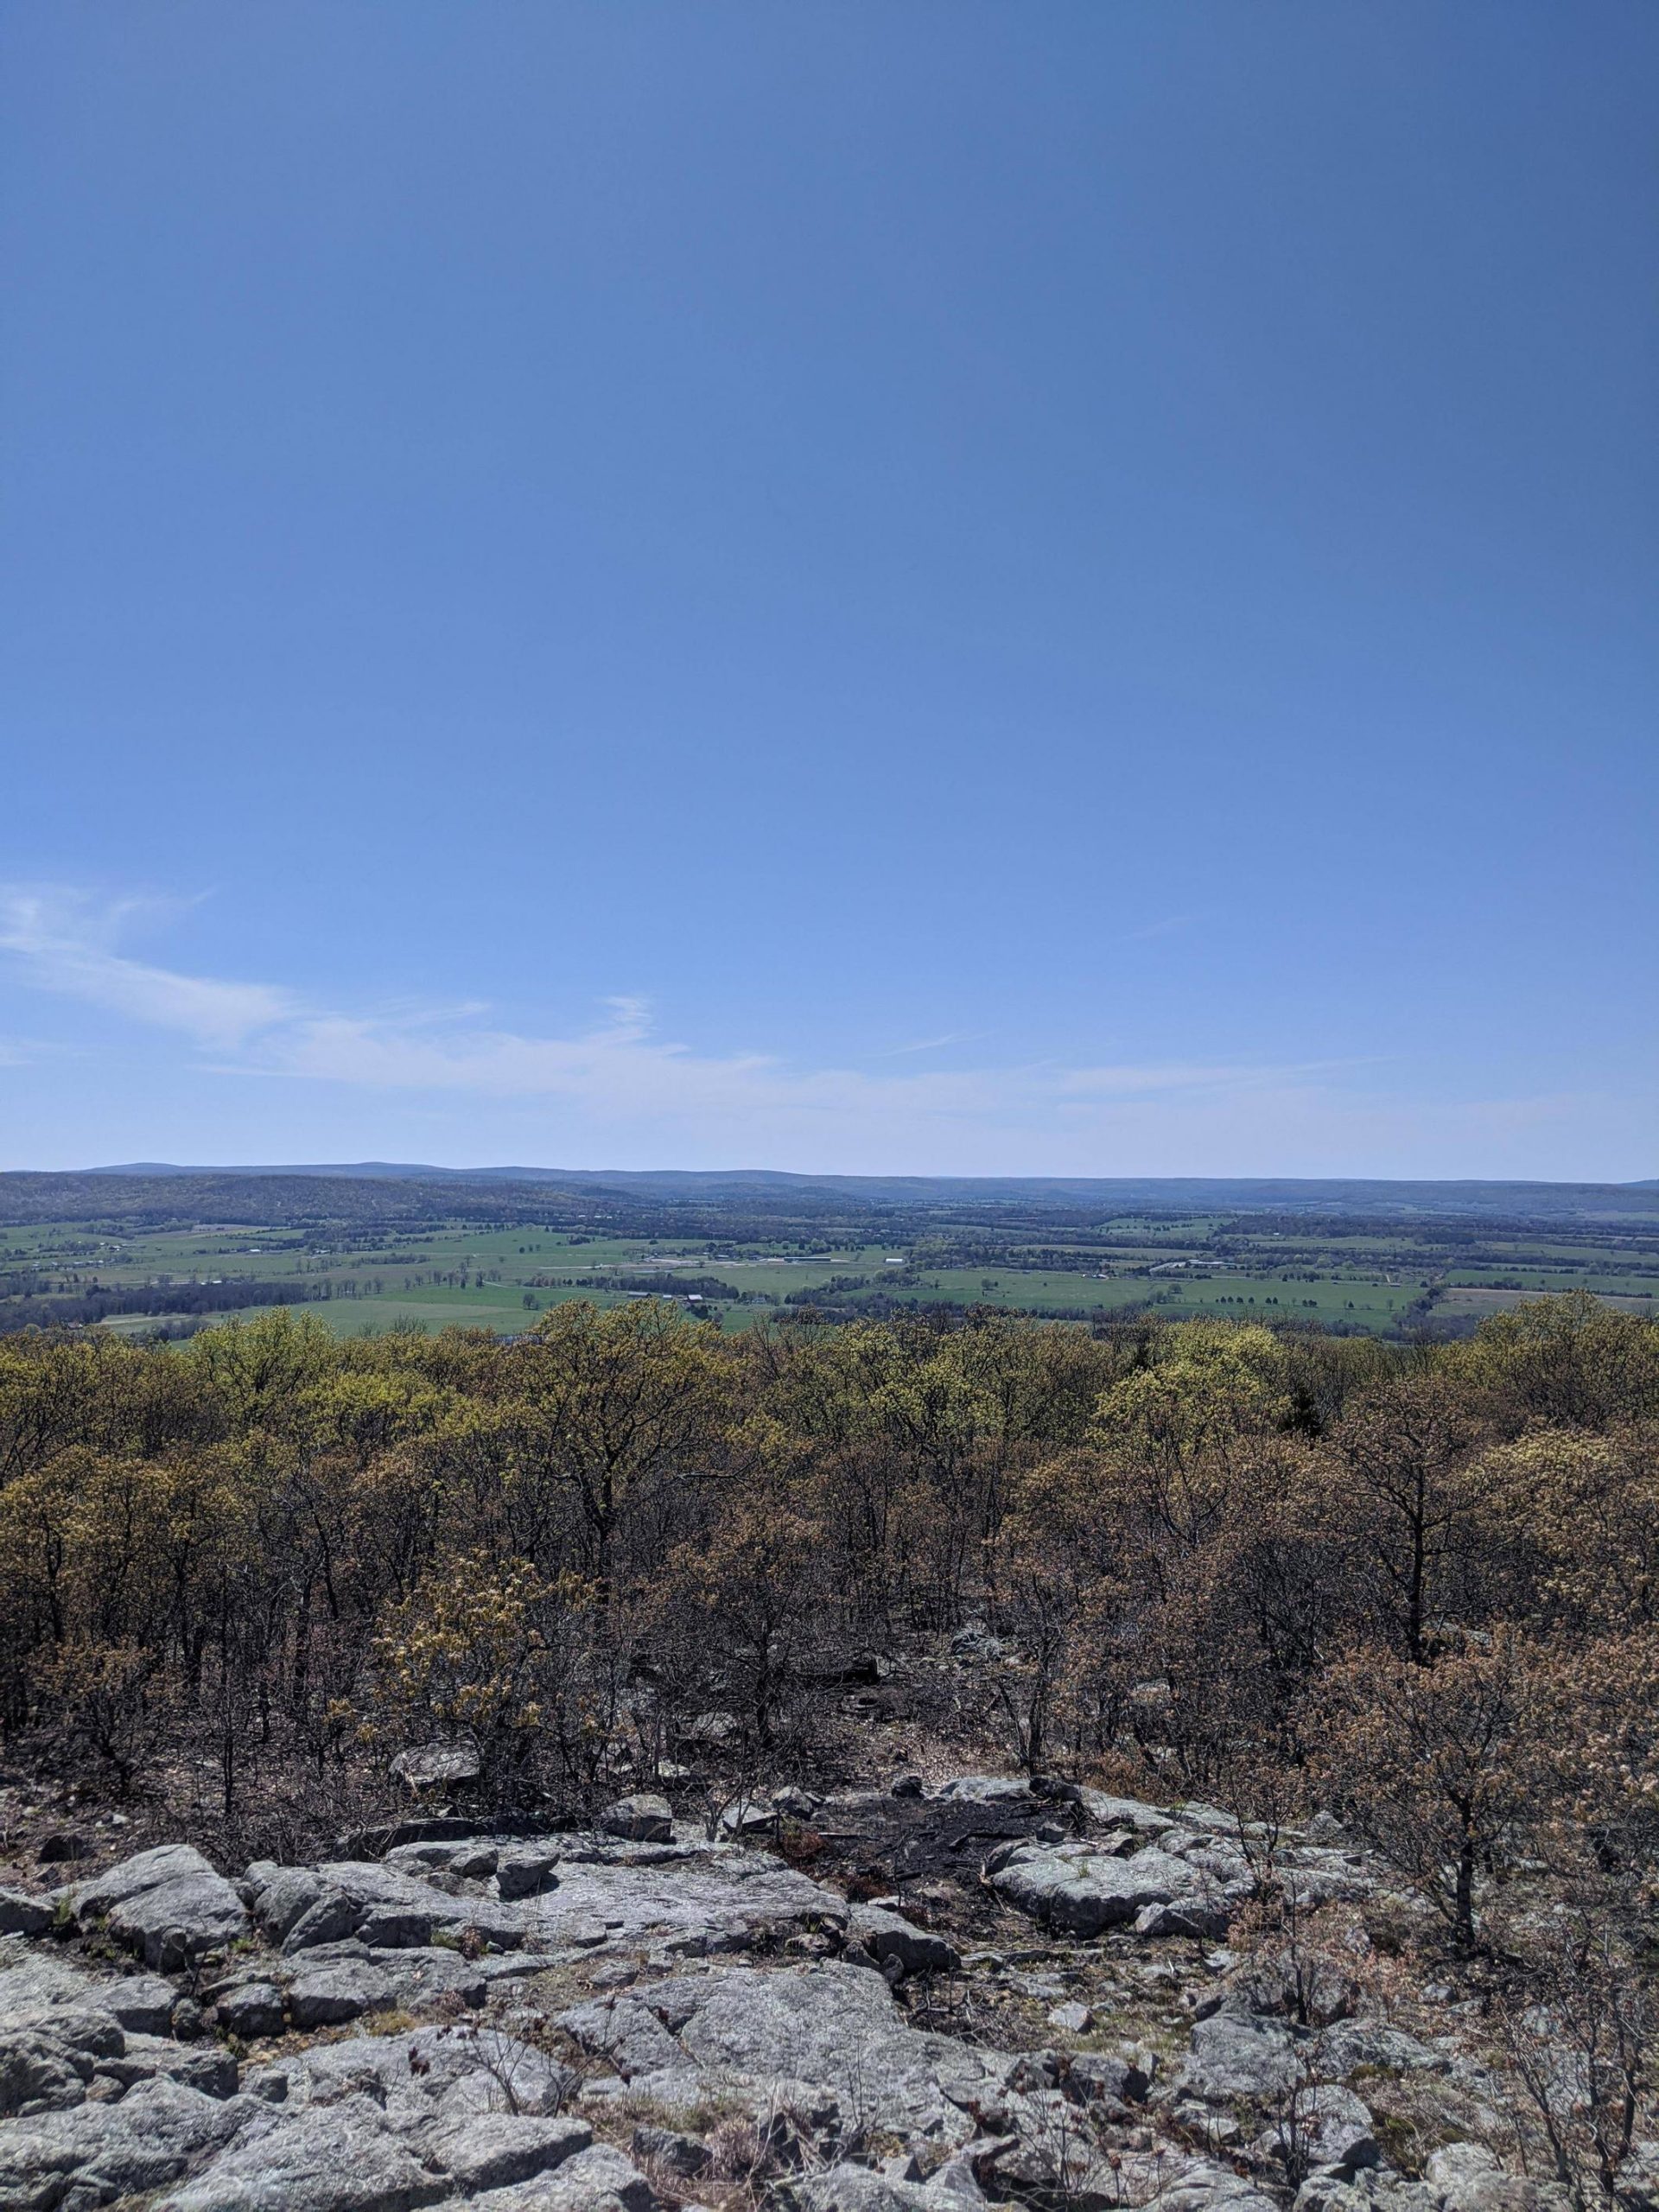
x,y
1289,1194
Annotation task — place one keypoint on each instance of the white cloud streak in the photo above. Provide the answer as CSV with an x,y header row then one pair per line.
x,y
620,1088
63,942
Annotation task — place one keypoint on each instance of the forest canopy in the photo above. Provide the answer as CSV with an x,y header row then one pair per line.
x,y
1418,1582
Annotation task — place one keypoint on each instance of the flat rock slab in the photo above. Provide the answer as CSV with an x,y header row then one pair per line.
x,y
496,2150
328,1990
600,1892
383,1906
340,2158
36,1984
828,2024
858,2189
726,1901
390,2123
451,2072
598,2180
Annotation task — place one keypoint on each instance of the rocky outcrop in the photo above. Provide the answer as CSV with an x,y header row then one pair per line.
x,y
1164,1876
1459,2177
245,2045
95,2153
794,2032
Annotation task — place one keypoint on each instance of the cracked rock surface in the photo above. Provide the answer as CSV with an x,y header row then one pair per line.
x,y
638,2017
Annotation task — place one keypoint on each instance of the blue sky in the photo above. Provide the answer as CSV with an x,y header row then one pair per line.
x,y
918,587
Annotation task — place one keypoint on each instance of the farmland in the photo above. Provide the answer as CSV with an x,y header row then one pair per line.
x,y
172,1256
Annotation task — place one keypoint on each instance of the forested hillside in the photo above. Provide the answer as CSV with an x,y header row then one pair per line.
x,y
246,1573
273,1586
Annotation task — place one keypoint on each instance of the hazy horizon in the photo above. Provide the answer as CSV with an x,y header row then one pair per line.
x,y
508,1171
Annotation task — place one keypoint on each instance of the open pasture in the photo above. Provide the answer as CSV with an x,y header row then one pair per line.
x,y
358,1261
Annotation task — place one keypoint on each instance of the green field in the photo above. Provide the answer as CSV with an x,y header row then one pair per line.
x,y
355,1276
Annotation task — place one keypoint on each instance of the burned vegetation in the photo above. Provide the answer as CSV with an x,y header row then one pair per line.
x,y
893,1764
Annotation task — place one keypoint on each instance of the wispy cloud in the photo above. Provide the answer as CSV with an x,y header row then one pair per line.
x,y
68,943
618,1088
64,942
932,1043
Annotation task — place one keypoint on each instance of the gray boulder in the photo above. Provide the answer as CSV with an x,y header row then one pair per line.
x,y
167,1903
252,2009
281,1895
1328,2130
469,1859
643,1819
1110,1812
332,1918
437,1766
1312,1990
986,1790
1072,1886
1104,2074
143,2003
1237,2055
22,1913
682,2156
525,1870
888,1935
749,1816
325,1996
1206,1918
41,2072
